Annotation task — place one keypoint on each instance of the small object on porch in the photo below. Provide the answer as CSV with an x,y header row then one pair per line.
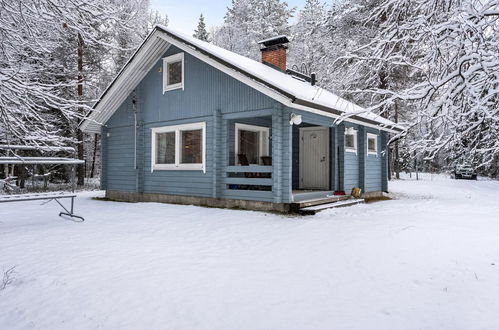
x,y
356,192
243,160
339,193
266,160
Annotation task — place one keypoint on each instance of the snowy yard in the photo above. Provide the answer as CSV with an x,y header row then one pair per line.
x,y
427,260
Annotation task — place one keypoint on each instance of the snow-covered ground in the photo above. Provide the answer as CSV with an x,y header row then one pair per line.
x,y
427,260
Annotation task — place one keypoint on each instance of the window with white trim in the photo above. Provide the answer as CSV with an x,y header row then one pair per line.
x,y
179,147
173,72
350,139
372,144
253,142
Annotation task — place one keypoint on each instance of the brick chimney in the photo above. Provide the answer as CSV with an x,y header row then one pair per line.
x,y
274,51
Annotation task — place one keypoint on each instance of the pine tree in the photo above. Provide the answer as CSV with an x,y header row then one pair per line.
x,y
307,51
248,21
437,60
201,33
58,60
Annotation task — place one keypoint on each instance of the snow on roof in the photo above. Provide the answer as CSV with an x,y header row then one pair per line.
x,y
281,36
40,160
38,148
285,82
283,87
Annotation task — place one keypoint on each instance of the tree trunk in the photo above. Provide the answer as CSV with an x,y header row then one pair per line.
x,y
79,133
396,163
92,168
22,176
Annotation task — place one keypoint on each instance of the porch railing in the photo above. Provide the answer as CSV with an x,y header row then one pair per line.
x,y
248,182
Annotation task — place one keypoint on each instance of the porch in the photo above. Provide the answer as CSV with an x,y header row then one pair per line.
x,y
264,157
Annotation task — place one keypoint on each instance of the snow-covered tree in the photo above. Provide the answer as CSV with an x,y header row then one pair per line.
x,y
248,21
56,57
448,53
200,32
308,48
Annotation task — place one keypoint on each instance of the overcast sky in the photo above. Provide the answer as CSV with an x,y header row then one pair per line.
x,y
184,14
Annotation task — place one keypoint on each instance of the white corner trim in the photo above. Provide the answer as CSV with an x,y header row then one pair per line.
x,y
178,166
170,59
262,142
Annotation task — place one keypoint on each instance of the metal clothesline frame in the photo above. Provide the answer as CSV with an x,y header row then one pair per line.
x,y
19,160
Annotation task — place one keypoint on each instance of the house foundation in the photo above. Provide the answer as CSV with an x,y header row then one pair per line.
x,y
134,197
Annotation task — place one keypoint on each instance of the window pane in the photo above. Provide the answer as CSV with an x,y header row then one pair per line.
x,y
249,145
174,73
349,141
192,147
165,148
371,144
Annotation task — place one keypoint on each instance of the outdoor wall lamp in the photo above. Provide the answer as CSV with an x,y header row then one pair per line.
x,y
295,119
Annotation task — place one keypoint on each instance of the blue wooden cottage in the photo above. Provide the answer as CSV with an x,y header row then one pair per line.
x,y
188,122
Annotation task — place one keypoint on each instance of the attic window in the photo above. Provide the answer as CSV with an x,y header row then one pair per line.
x,y
173,72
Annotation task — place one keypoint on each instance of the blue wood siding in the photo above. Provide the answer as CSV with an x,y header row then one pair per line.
x,y
208,95
119,159
351,165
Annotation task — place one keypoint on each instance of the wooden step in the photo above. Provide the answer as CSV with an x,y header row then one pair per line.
x,y
311,210
322,200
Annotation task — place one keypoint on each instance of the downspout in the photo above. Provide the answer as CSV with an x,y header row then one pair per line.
x,y
134,108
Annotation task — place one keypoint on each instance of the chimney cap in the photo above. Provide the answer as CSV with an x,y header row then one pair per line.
x,y
277,40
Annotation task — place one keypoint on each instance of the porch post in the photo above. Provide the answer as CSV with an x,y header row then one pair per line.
x,y
361,144
217,147
384,162
277,154
281,155
341,156
287,157
333,160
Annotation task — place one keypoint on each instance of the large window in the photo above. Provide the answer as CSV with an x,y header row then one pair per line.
x,y
180,147
372,144
173,72
252,143
350,140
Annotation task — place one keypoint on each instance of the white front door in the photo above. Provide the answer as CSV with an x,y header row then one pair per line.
x,y
314,158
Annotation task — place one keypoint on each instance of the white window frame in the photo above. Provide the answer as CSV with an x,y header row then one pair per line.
x,y
178,165
348,149
254,128
375,137
166,61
